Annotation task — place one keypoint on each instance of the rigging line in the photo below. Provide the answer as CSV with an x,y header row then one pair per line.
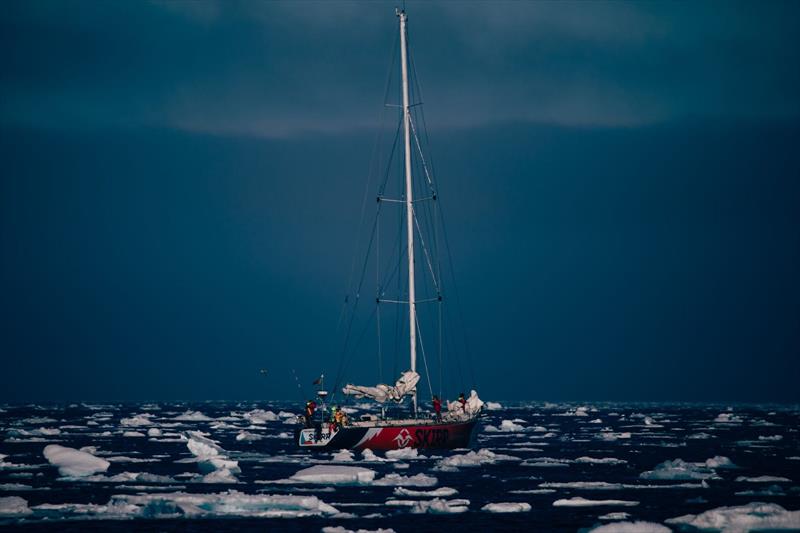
x,y
456,293
425,250
378,290
382,188
418,93
422,157
349,359
358,292
424,359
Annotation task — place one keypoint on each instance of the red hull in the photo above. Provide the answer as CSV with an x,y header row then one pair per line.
x,y
392,437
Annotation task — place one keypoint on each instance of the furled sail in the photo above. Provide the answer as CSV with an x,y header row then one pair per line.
x,y
471,407
382,392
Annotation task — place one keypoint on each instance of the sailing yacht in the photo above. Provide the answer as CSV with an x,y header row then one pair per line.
x,y
455,428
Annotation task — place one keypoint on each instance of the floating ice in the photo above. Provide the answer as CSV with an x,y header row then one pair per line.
x,y
248,437
720,461
404,454
619,515
678,469
126,459
13,506
772,490
343,456
471,459
764,479
138,420
259,416
396,480
441,492
771,437
192,416
183,505
211,459
133,434
493,406
14,466
340,529
335,475
631,527
154,432
727,418
15,486
434,506
601,460
507,507
753,516
611,436
577,501
72,462
532,491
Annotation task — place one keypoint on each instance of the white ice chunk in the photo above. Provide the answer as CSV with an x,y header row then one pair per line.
x,y
404,454
343,456
507,507
335,475
631,527
434,506
764,479
192,416
472,459
138,420
493,406
72,462
154,432
13,506
441,492
211,459
248,437
133,434
601,460
396,480
753,516
678,469
577,501
259,416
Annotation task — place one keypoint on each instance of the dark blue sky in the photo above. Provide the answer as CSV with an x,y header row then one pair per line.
x,y
182,182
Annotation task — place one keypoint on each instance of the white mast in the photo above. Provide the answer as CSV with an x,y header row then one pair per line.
x,y
412,311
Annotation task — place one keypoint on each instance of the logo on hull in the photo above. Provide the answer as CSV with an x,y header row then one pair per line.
x,y
403,438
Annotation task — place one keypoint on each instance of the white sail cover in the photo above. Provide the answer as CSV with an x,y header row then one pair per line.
x,y
471,408
382,392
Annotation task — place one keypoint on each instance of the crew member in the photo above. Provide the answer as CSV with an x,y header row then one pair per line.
x,y
437,408
311,406
339,417
463,402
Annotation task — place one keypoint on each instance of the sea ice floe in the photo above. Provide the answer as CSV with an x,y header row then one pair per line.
x,y
764,479
506,507
434,506
15,486
753,516
679,469
192,416
577,501
404,454
611,435
14,466
183,505
126,459
137,420
260,417
441,492
72,462
532,491
727,418
246,436
343,456
13,506
211,459
771,437
396,480
631,527
604,485
601,460
133,434
341,529
493,406
505,426
472,459
619,515
335,475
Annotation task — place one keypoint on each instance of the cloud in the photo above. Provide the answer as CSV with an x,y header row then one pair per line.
x,y
283,69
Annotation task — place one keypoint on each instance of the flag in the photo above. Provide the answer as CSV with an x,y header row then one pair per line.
x,y
318,380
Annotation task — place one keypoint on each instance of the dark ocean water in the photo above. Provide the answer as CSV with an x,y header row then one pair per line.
x,y
540,454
